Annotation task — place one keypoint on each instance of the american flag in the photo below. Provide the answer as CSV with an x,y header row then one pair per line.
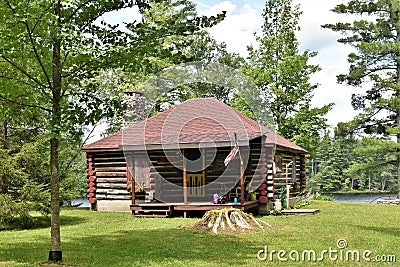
x,y
231,155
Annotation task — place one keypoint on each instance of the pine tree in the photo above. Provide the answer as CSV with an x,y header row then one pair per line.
x,y
374,66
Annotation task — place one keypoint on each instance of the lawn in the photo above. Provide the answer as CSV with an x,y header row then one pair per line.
x,y
117,239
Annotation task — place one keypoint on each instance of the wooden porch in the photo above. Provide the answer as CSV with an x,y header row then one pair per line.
x,y
168,209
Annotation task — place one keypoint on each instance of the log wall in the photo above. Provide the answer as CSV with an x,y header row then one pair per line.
x,y
297,168
107,177
107,174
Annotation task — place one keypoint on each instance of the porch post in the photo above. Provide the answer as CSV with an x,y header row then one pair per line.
x,y
185,196
241,182
130,175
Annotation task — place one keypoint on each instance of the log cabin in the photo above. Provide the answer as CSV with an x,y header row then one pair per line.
x,y
175,163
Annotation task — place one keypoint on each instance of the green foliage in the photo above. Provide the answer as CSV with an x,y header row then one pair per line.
x,y
334,157
344,164
73,179
240,104
300,204
323,198
51,55
10,210
374,66
24,183
282,75
275,212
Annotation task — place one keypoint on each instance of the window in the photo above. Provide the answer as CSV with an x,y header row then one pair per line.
x,y
196,185
278,163
142,172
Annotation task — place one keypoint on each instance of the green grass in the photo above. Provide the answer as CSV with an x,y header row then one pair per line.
x,y
117,239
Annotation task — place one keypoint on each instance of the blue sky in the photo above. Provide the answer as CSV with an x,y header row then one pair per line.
x,y
244,18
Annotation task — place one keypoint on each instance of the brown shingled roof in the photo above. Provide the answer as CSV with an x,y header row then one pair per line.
x,y
204,121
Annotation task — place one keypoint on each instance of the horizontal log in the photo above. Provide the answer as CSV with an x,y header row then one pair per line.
x,y
111,174
111,180
109,156
111,185
113,191
112,197
108,164
111,169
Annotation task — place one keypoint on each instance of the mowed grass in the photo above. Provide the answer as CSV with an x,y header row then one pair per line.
x,y
117,239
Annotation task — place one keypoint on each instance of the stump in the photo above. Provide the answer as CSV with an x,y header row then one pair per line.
x,y
228,220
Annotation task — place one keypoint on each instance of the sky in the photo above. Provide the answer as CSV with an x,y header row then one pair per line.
x,y
244,18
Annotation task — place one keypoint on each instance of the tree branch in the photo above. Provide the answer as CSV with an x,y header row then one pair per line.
x,y
76,10
23,71
37,56
18,80
24,104
41,16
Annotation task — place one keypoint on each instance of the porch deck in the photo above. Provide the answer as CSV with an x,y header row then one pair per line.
x,y
167,209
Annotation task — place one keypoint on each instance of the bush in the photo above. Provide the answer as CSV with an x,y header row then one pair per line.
x,y
10,211
300,204
323,198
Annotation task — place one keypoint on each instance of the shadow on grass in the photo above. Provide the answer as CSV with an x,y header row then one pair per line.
x,y
174,247
167,247
39,222
392,231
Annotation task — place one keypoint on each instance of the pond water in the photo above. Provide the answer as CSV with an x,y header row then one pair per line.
x,y
81,203
369,198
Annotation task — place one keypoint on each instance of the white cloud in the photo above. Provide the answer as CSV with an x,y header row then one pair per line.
x,y
244,18
332,57
237,29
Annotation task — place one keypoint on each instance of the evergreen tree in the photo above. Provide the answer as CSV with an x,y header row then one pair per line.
x,y
333,158
282,74
376,67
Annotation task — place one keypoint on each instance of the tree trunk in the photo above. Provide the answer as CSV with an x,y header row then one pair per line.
x,y
55,253
397,104
369,180
3,178
4,131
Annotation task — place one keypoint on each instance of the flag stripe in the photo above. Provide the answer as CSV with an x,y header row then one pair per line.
x,y
231,155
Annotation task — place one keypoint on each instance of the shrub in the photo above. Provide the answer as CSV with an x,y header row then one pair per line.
x,y
323,198
11,210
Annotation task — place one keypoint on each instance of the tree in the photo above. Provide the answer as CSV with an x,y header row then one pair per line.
x,y
282,74
349,163
171,33
206,53
50,51
333,158
375,65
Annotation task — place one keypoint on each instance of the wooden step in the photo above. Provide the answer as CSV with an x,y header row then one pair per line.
x,y
300,211
149,216
154,210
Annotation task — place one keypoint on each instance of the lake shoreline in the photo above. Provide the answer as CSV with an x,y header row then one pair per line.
x,y
362,197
